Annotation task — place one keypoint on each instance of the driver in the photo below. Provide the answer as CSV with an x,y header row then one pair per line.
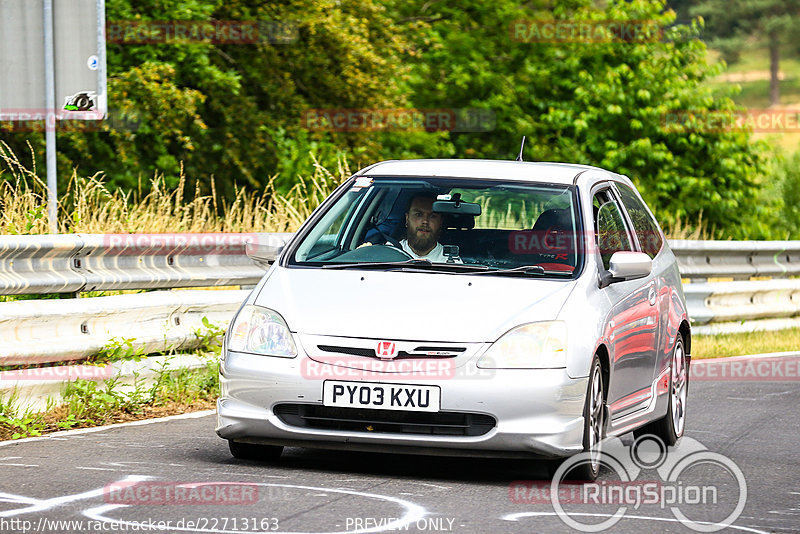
x,y
423,227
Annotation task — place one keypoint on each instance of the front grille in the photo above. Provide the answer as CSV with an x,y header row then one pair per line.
x,y
370,353
385,421
353,351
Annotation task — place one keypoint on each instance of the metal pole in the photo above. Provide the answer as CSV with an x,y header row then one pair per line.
x,y
102,102
50,117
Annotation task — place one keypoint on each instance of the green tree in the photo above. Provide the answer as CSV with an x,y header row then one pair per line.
x,y
606,102
234,111
735,22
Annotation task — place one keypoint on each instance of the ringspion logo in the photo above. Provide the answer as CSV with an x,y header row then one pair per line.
x,y
704,490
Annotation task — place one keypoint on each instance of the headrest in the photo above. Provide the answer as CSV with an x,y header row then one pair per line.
x,y
553,219
459,222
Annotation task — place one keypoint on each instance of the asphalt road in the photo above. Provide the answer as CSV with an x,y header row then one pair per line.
x,y
130,478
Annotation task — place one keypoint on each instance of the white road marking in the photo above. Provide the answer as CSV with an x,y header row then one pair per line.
x,y
430,485
259,475
79,431
517,517
779,393
17,499
97,469
40,505
19,465
413,513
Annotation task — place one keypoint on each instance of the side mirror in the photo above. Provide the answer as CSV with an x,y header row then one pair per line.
x,y
626,265
265,252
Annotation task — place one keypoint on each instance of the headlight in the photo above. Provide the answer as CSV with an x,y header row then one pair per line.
x,y
261,331
529,346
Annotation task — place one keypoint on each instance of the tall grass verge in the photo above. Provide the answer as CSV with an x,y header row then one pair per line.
x,y
88,403
89,206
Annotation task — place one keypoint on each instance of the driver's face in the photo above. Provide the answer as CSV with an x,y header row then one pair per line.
x,y
424,226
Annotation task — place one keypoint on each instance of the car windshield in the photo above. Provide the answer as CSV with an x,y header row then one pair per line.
x,y
447,224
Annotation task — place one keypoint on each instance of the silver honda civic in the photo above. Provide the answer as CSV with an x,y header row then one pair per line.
x,y
462,307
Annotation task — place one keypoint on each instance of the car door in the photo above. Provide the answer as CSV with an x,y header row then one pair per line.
x,y
651,242
631,328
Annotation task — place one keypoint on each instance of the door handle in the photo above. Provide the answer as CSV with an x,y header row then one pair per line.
x,y
651,295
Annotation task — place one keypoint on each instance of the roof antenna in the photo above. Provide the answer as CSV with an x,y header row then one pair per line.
x,y
521,148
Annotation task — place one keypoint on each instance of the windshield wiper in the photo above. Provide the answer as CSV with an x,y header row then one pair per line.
x,y
528,270
378,264
412,263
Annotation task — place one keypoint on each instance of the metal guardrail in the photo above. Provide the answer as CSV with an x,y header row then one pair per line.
x,y
740,260
40,331
159,320
740,286
96,262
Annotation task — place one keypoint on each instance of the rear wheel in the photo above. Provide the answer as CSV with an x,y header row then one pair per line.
x,y
250,451
670,427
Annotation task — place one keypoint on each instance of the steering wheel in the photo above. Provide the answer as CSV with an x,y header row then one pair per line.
x,y
387,238
375,253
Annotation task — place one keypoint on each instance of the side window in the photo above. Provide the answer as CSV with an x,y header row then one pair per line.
x,y
646,228
612,235
325,235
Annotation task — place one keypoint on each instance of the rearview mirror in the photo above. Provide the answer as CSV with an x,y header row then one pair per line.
x,y
456,207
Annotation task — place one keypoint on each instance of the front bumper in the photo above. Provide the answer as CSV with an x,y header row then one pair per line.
x,y
538,412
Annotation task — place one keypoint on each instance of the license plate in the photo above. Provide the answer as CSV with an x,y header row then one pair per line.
x,y
381,396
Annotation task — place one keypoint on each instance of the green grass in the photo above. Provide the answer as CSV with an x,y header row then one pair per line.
x,y
757,59
755,94
88,403
749,343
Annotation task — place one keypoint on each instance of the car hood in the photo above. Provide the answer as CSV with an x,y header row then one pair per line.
x,y
409,305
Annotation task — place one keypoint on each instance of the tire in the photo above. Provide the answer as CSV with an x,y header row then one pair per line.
x,y
249,451
670,428
594,425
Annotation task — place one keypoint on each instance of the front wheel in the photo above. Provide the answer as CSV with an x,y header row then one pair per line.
x,y
594,426
670,427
